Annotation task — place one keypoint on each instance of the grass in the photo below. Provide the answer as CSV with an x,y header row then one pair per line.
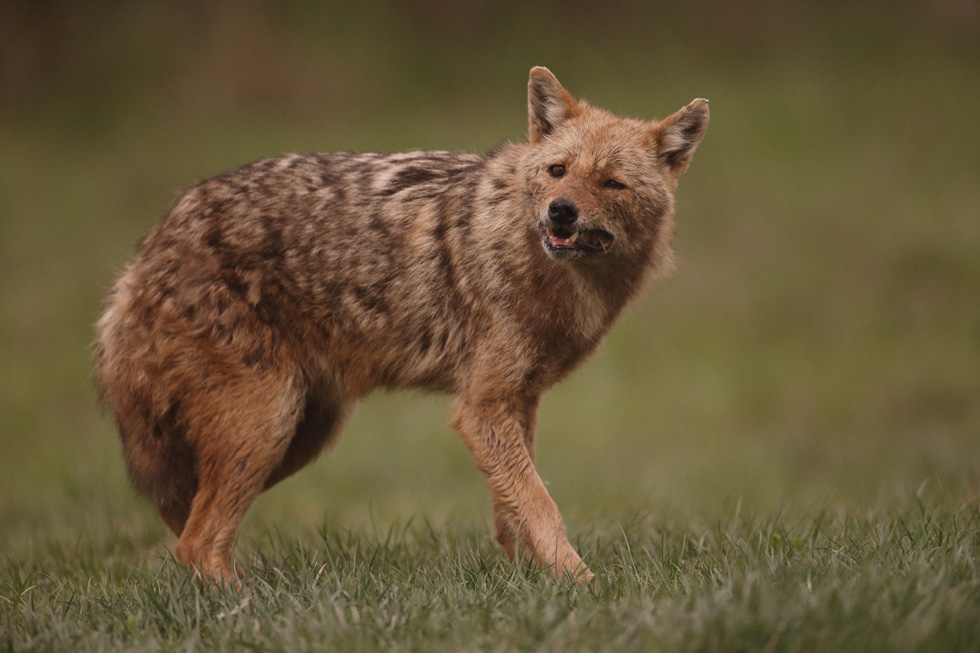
x,y
899,578
777,449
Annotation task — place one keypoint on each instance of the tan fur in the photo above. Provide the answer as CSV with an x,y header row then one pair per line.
x,y
271,298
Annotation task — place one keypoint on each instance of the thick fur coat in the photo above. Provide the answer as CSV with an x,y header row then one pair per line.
x,y
271,298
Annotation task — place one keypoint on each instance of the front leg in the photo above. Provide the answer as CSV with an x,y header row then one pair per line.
x,y
505,532
496,431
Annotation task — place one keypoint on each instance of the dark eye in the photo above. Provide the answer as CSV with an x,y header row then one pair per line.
x,y
556,170
613,184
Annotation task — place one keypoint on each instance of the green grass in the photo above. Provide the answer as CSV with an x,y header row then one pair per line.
x,y
778,448
898,578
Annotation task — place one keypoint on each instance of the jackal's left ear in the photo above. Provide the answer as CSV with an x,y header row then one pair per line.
x,y
677,136
548,104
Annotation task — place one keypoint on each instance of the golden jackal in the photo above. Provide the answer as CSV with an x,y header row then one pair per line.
x,y
271,298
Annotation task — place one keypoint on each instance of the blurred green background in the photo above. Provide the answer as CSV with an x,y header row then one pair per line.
x,y
819,343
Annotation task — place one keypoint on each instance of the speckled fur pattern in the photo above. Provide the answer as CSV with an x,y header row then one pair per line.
x,y
273,297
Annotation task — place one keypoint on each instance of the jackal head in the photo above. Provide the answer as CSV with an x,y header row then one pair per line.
x,y
604,184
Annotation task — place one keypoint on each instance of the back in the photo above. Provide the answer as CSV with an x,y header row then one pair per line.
x,y
341,251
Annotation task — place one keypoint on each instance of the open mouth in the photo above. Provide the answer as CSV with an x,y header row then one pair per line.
x,y
566,242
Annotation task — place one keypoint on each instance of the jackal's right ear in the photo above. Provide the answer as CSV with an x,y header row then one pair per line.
x,y
677,136
548,104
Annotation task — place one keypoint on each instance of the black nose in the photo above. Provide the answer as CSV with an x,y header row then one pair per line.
x,y
563,211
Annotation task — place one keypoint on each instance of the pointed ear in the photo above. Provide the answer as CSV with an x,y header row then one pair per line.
x,y
548,104
677,136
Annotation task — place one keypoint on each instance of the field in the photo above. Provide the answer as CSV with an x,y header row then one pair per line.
x,y
776,449
898,580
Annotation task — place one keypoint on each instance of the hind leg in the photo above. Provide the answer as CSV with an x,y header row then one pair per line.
x,y
175,509
323,417
243,439
174,505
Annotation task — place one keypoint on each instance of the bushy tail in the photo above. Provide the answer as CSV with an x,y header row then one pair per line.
x,y
158,457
